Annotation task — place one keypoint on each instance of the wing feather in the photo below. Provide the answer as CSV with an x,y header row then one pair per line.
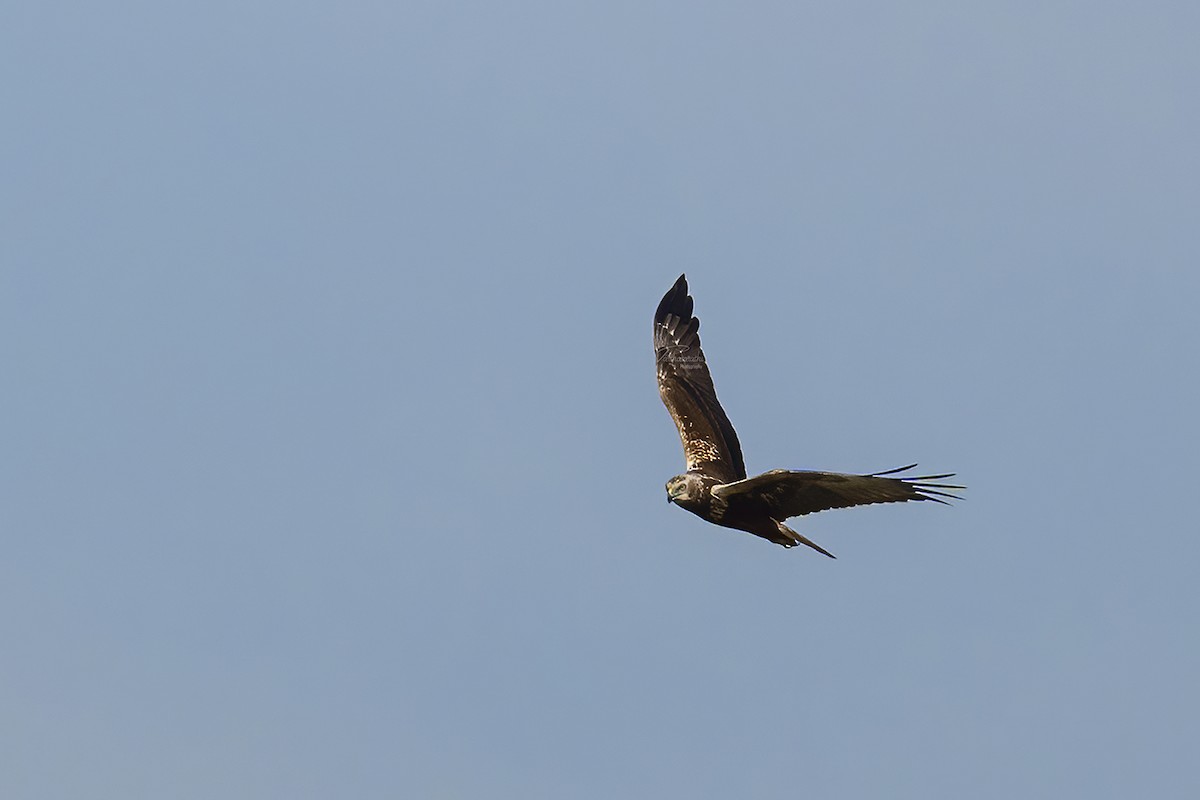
x,y
792,493
710,445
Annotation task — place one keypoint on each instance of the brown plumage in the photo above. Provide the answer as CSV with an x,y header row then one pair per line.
x,y
715,486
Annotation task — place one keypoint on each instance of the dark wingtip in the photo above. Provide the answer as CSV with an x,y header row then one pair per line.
x,y
676,301
923,486
892,471
926,491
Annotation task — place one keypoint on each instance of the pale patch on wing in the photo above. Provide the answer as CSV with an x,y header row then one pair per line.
x,y
700,450
699,447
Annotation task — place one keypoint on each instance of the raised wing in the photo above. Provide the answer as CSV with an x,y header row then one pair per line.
x,y
789,493
710,445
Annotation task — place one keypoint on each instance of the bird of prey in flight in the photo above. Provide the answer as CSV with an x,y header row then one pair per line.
x,y
715,486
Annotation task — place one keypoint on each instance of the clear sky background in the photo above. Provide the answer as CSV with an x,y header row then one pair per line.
x,y
333,460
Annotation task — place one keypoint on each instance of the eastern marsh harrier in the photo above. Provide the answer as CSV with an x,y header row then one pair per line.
x,y
715,486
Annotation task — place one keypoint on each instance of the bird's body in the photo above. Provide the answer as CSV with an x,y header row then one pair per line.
x,y
715,486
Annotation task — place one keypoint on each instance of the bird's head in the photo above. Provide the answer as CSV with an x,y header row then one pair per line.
x,y
683,488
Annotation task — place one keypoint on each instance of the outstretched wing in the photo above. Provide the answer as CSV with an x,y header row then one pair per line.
x,y
788,493
710,445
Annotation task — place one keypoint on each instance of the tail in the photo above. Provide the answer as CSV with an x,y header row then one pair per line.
x,y
789,538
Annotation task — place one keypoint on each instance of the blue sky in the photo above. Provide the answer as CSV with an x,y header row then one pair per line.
x,y
334,461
